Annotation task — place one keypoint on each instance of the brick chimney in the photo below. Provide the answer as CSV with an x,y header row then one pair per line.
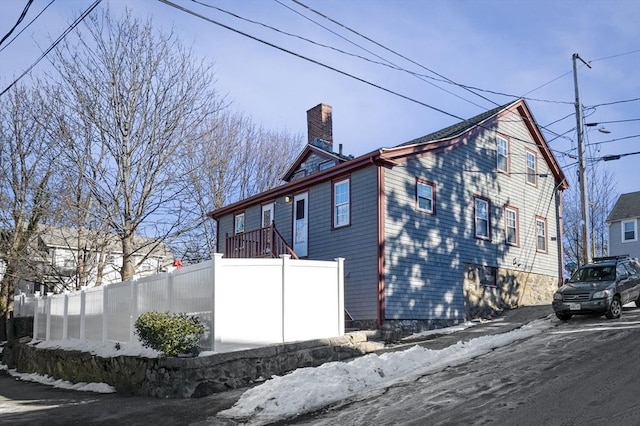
x,y
319,125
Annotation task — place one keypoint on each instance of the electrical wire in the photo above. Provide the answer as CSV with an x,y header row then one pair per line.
x,y
20,18
615,56
27,26
183,9
391,51
191,12
615,103
55,43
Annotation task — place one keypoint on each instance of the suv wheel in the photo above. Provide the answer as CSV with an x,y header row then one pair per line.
x,y
564,317
615,309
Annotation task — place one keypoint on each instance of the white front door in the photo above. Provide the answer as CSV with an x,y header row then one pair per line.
x,y
267,215
300,223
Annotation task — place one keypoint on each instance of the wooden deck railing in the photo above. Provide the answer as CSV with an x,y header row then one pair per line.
x,y
263,242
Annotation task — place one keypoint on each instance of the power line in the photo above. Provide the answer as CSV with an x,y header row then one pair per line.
x,y
615,56
615,103
446,80
55,43
27,26
191,12
20,18
614,140
183,9
392,51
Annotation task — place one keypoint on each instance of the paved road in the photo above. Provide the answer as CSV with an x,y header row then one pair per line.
x,y
26,403
583,372
575,374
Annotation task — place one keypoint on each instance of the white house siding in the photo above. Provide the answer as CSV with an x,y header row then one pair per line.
x,y
357,243
617,247
427,255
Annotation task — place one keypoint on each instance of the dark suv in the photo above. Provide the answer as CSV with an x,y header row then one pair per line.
x,y
600,287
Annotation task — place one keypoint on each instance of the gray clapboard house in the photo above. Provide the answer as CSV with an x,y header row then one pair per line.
x,y
623,225
444,228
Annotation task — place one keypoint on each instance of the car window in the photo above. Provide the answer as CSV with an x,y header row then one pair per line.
x,y
594,273
622,271
635,266
630,269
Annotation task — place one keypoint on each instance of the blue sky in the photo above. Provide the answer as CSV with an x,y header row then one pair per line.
x,y
517,48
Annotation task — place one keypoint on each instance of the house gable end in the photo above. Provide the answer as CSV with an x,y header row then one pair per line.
x,y
627,207
454,136
310,161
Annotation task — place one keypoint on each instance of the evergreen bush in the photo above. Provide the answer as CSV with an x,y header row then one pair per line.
x,y
171,334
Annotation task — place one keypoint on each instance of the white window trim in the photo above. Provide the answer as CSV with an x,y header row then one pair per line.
x,y
498,156
432,199
235,223
347,203
535,168
506,226
546,235
635,230
475,218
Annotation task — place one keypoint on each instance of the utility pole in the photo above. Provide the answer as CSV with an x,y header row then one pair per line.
x,y
581,167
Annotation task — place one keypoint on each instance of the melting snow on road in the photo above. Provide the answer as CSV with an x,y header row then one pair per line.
x,y
309,389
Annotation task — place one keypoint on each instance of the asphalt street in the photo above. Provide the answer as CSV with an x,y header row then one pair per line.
x,y
26,403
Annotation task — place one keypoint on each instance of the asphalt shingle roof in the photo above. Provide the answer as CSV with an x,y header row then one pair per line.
x,y
457,128
627,206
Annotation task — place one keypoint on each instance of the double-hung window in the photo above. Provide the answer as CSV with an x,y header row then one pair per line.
x,y
532,173
511,225
482,218
425,196
239,223
502,154
341,203
629,231
541,234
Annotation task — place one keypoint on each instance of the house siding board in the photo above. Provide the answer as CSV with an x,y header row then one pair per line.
x,y
357,243
426,254
282,214
617,247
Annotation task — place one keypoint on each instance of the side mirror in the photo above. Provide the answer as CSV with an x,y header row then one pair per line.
x,y
566,280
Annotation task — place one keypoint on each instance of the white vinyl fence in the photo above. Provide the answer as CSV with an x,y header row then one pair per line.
x,y
242,302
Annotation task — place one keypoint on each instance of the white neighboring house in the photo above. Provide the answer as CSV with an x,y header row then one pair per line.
x,y
59,256
624,224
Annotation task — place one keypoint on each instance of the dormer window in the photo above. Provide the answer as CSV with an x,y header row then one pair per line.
x,y
327,164
299,174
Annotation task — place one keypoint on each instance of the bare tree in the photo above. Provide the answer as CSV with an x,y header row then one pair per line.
x,y
135,100
233,159
602,196
27,170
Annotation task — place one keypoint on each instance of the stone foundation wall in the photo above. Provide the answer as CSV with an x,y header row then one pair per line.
x,y
488,291
183,377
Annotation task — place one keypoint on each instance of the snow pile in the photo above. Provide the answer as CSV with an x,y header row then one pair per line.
x,y
441,331
102,349
62,384
309,389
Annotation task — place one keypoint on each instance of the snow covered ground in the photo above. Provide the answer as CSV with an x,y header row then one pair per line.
x,y
309,389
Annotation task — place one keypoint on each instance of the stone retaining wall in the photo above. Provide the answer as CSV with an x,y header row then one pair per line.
x,y
184,377
487,296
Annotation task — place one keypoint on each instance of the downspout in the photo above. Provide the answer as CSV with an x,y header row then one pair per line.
x,y
381,241
217,237
560,233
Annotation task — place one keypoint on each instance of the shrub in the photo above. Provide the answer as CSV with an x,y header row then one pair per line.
x,y
171,334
